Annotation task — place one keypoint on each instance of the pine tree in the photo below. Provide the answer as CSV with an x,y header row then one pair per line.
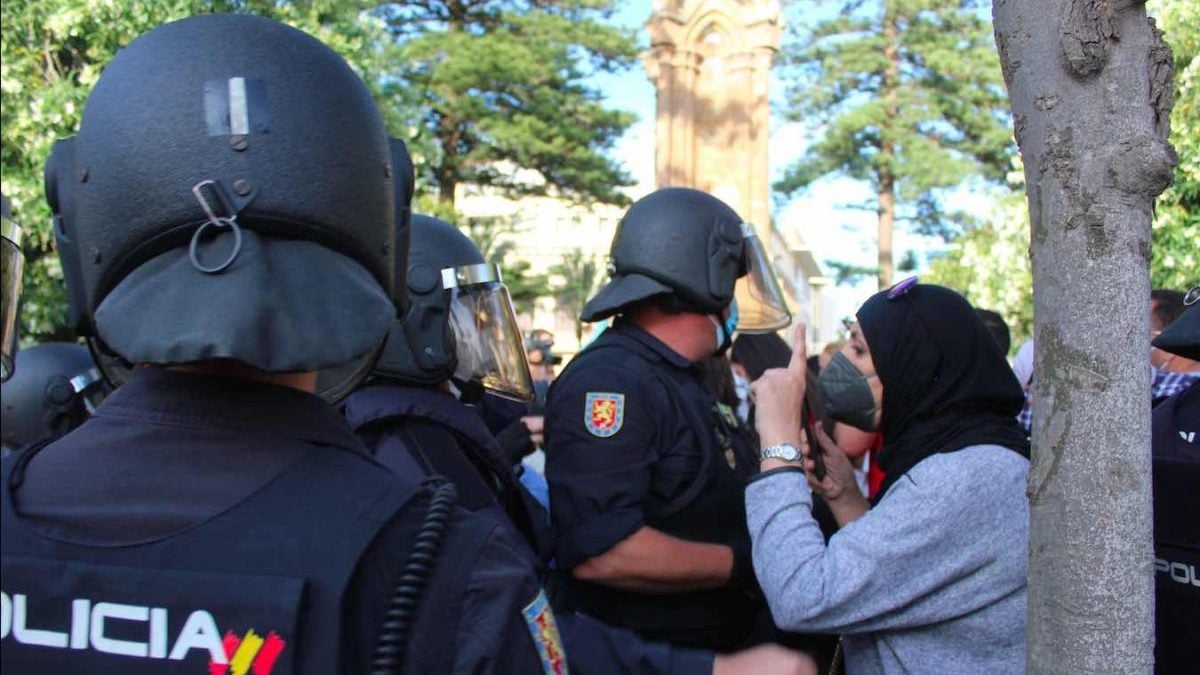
x,y
905,95
496,86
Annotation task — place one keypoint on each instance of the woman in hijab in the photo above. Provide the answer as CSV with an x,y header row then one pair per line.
x,y
931,578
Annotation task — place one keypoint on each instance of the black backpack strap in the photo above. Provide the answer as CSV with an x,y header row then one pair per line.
x,y
436,449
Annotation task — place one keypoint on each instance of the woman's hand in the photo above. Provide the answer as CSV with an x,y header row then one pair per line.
x,y
838,487
779,397
839,473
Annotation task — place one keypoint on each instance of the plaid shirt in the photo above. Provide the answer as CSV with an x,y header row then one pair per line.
x,y
1162,385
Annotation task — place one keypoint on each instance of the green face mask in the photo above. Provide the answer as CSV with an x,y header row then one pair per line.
x,y
845,394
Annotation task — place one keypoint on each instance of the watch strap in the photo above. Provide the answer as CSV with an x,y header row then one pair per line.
x,y
784,451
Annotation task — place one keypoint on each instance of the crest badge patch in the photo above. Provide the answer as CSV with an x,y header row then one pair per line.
x,y
604,413
544,629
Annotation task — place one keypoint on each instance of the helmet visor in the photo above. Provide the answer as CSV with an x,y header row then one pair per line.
x,y
10,276
760,299
488,342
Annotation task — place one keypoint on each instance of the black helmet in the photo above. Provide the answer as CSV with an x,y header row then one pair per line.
x,y
460,323
1182,337
54,389
229,196
692,245
337,382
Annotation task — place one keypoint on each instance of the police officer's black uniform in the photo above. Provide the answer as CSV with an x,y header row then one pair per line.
x,y
632,437
182,494
199,521
673,464
1175,432
422,429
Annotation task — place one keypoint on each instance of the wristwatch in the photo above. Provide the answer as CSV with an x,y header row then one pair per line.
x,y
785,451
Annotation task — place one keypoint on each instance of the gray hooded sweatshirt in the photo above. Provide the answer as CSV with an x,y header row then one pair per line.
x,y
931,580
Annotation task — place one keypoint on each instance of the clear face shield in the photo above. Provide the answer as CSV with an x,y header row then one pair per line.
x,y
11,262
488,343
761,305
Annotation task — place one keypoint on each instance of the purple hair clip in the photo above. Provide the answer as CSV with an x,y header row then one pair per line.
x,y
901,288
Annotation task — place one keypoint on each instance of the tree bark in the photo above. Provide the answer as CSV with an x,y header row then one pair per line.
x,y
884,172
1090,86
446,170
886,223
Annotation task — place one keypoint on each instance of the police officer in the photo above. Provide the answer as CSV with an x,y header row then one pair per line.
x,y
646,476
11,264
55,387
455,342
458,339
539,348
1175,433
225,219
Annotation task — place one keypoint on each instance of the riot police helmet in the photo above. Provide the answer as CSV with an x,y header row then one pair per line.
x,y
690,244
1182,337
460,324
55,387
228,197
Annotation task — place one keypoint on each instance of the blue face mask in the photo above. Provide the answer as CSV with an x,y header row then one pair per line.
x,y
725,329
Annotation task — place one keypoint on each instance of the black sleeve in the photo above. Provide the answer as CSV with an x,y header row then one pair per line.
x,y
600,449
595,648
506,625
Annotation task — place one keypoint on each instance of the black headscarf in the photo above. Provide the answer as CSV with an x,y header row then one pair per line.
x,y
946,386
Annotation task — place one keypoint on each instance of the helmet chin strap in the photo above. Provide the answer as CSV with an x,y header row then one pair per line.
x,y
467,391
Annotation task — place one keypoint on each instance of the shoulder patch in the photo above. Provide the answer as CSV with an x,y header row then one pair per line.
x,y
604,413
544,629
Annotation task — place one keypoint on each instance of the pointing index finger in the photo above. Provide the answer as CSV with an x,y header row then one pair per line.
x,y
799,362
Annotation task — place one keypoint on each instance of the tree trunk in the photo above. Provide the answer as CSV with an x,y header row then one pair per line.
x,y
446,170
887,222
884,172
1090,85
446,188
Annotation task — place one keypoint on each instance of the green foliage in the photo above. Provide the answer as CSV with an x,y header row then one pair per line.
x,y
940,104
579,276
494,238
1175,253
499,85
990,266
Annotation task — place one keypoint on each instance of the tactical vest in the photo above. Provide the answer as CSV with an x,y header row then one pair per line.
x,y
711,509
413,429
257,588
1176,472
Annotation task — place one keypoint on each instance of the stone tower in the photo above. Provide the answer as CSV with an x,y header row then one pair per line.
x,y
710,60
